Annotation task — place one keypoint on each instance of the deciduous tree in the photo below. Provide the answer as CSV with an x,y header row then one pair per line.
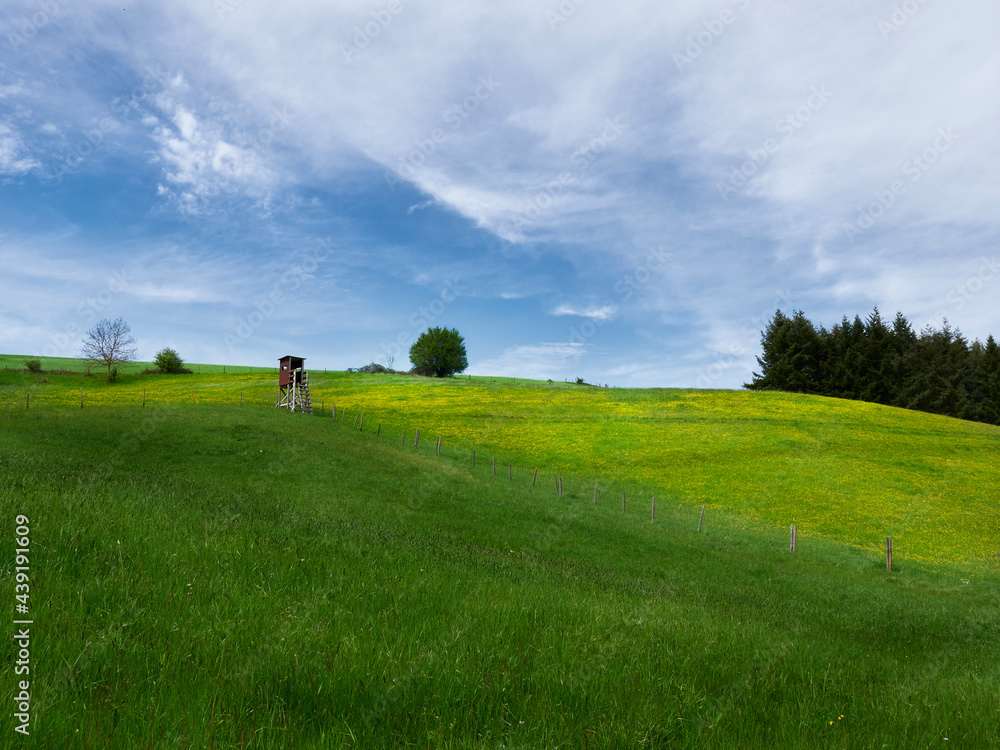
x,y
439,352
109,343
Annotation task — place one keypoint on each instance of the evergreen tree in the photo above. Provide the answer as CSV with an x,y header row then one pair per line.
x,y
775,372
847,354
875,360
988,373
827,362
937,371
940,372
975,400
901,344
804,356
792,356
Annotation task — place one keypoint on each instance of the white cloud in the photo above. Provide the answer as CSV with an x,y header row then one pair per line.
x,y
175,294
419,206
186,123
581,142
11,147
602,313
540,361
200,161
412,96
12,91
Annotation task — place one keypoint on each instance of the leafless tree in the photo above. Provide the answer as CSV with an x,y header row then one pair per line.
x,y
109,343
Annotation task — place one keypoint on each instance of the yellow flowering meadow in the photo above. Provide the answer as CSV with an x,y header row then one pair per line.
x,y
845,470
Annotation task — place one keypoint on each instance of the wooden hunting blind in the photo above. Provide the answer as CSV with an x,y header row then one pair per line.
x,y
293,385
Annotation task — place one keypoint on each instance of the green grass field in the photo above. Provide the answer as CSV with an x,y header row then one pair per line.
x,y
17,362
205,575
842,470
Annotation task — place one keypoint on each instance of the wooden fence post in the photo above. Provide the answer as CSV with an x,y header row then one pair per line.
x,y
379,430
333,409
361,426
416,440
354,426
791,538
81,397
702,517
510,473
241,398
27,400
473,458
595,494
404,438
143,398
534,478
888,553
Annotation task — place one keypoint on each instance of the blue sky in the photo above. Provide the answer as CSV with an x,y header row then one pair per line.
x,y
620,192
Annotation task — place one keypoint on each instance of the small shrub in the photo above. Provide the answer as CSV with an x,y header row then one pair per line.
x,y
170,362
374,367
33,365
157,371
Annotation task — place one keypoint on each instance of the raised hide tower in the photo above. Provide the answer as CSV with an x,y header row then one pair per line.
x,y
293,385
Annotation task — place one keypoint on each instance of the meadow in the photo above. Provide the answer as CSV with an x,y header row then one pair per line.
x,y
847,471
213,576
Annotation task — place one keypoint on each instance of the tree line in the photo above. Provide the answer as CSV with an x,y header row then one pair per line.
x,y
936,371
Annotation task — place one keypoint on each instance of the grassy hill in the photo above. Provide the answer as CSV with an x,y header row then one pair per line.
x,y
205,575
843,470
10,362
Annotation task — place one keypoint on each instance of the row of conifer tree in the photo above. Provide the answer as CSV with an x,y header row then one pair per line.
x,y
936,370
